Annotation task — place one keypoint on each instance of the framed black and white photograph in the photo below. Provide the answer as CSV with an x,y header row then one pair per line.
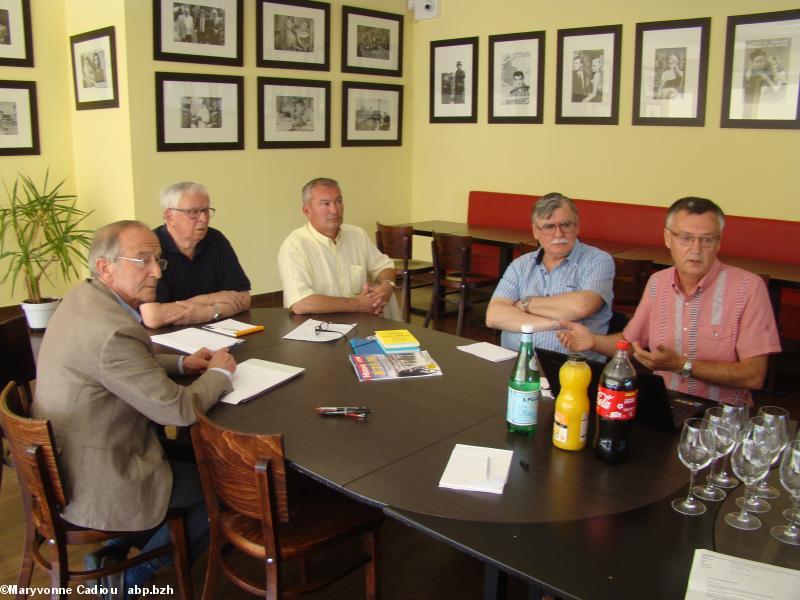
x,y
198,31
199,112
94,69
670,72
516,77
16,37
454,81
294,113
587,75
761,85
293,34
372,42
19,121
372,114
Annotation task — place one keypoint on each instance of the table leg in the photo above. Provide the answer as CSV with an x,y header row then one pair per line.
x,y
495,583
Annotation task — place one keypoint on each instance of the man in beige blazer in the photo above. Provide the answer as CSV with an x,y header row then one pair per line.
x,y
102,387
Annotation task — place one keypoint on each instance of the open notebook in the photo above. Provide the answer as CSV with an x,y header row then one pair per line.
x,y
255,376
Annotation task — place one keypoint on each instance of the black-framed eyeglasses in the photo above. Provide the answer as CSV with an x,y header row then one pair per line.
x,y
687,239
324,327
550,228
143,263
194,213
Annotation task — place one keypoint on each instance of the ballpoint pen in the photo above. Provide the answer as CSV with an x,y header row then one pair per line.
x,y
334,410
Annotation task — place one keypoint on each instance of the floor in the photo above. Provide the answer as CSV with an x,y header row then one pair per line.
x,y
412,565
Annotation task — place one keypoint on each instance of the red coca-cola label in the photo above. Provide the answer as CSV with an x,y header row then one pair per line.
x,y
618,405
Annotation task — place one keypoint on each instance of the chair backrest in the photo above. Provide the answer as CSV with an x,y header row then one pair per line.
x,y
451,253
525,247
34,451
228,461
630,280
16,355
394,242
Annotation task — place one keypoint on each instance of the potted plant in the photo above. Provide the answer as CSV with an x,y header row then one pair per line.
x,y
39,231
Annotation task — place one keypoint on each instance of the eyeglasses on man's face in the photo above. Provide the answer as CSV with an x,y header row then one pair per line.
x,y
194,213
550,228
687,239
146,263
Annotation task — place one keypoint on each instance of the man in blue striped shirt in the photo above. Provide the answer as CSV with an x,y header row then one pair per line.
x,y
564,279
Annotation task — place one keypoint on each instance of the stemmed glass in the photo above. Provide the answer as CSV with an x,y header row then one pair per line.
x,y
750,460
779,417
696,451
724,440
790,479
734,417
768,434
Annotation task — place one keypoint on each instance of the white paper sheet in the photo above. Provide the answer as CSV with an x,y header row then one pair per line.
x,y
477,469
191,339
229,327
488,351
255,376
716,576
306,332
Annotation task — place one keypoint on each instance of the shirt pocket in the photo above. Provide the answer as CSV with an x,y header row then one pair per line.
x,y
715,333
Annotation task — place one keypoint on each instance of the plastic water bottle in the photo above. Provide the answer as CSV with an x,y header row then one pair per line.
x,y
523,388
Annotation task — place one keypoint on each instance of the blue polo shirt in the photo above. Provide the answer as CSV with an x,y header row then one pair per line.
x,y
214,268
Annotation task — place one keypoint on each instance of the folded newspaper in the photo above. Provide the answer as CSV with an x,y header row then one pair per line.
x,y
379,367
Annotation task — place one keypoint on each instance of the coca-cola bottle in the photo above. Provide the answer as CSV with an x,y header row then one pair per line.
x,y
616,406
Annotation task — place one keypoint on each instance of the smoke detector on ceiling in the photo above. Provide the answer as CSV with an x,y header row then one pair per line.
x,y
424,9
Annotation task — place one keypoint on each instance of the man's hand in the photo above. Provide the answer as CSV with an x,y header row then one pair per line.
x,y
367,301
222,359
234,299
197,362
190,312
575,336
382,293
662,359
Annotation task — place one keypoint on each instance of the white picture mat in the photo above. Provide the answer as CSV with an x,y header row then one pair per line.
x,y
576,43
391,98
268,50
168,43
749,32
93,94
444,61
354,60
16,30
530,70
653,40
174,133
22,99
271,114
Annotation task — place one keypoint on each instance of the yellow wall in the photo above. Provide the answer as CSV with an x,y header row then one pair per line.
x,y
748,172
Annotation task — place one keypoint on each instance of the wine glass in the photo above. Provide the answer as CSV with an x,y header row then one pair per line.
x,y
696,451
734,417
750,460
790,479
767,433
724,440
780,418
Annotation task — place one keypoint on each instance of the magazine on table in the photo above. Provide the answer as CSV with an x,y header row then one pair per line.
x,y
401,365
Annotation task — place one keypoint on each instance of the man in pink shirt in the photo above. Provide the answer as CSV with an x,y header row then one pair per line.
x,y
706,327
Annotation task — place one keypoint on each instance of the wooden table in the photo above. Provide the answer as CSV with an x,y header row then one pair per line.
x,y
568,523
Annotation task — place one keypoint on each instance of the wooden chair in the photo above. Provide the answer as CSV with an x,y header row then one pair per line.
x,y
16,364
452,260
395,242
247,492
43,496
527,247
630,280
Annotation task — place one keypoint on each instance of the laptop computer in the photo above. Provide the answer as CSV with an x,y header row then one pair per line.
x,y
658,407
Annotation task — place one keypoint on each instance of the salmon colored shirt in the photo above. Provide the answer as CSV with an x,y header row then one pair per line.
x,y
728,318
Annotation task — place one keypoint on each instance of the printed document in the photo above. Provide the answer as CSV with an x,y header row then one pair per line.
x,y
191,339
477,469
319,331
716,576
488,351
255,376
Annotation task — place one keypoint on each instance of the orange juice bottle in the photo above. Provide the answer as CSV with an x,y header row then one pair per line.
x,y
572,405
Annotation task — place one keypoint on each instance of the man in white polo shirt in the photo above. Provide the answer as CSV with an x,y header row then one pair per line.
x,y
327,266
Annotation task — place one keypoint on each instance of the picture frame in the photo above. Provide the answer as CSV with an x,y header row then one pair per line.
x,y
372,42
589,96
16,34
761,82
454,81
199,112
293,34
516,77
19,118
199,31
294,113
372,114
94,69
671,72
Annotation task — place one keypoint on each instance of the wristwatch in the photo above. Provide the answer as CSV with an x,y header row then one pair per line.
x,y
525,302
686,371
217,313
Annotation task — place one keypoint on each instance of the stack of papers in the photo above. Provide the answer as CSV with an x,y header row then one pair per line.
x,y
488,351
477,469
254,376
192,339
233,328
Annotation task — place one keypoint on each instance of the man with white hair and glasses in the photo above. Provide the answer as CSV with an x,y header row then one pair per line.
x,y
205,280
705,327
565,279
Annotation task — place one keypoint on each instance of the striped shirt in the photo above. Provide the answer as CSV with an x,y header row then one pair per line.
x,y
728,318
585,269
